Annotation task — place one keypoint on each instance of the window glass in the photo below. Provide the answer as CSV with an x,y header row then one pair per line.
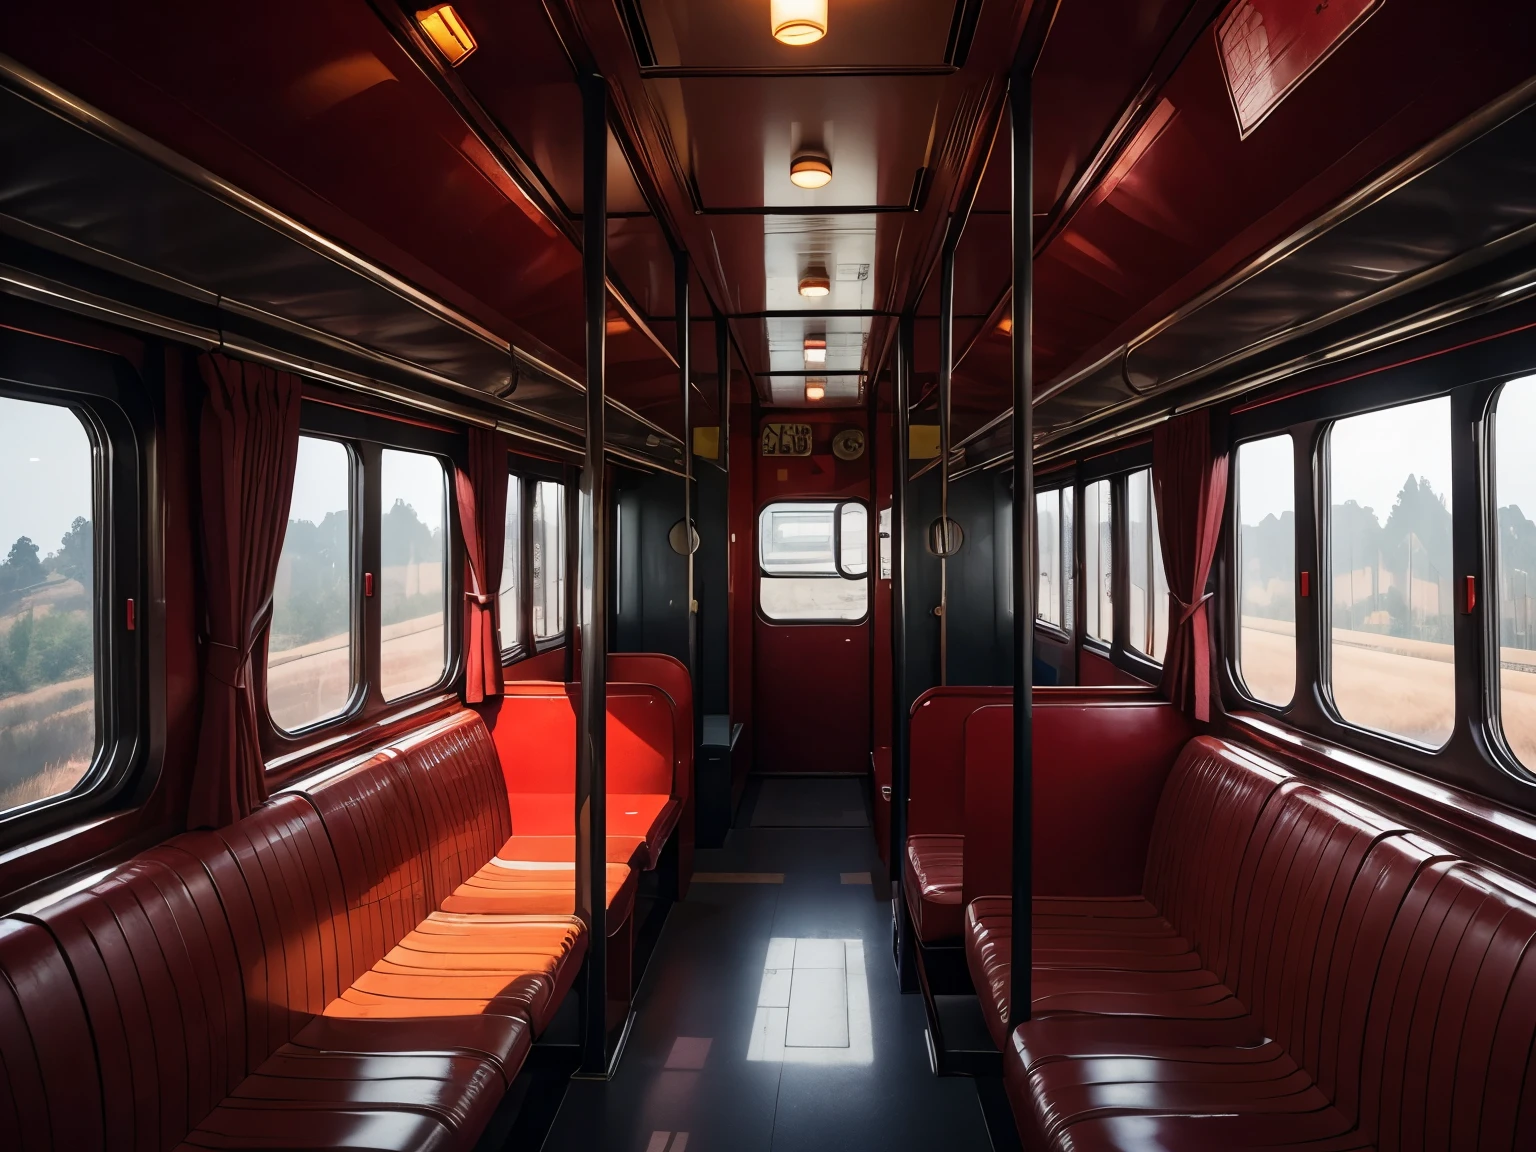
x,y
1515,499
413,560
1098,547
309,646
548,560
796,548
1068,559
1266,564
509,605
1148,611
1390,571
1048,588
48,690
853,540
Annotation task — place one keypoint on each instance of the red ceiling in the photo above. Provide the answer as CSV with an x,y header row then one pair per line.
x,y
316,108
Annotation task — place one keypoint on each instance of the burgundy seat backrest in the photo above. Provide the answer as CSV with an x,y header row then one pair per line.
x,y
156,967
1296,904
1447,1058
49,1094
456,779
277,876
936,756
1207,814
376,829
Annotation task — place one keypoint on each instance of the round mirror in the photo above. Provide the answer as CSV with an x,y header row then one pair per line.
x,y
945,536
683,540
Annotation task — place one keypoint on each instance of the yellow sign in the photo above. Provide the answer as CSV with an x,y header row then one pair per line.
x,y
922,441
786,440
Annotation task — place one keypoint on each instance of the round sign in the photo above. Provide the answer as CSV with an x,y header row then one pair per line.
x,y
848,444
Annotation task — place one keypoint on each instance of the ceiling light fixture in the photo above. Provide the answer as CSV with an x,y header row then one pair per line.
x,y
815,388
815,350
816,282
810,170
798,22
446,28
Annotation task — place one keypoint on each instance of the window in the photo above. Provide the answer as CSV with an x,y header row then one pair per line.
x,y
1390,575
1148,609
510,605
1098,548
1515,551
812,559
1266,565
413,570
548,560
1053,526
310,667
50,695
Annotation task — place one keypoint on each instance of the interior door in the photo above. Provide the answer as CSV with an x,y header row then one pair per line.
x,y
811,590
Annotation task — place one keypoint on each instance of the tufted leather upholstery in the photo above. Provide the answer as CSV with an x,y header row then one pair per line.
x,y
934,866
307,977
1301,972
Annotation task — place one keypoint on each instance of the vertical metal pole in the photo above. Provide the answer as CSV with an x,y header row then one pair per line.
x,y
572,480
723,369
685,377
900,703
1021,997
946,372
591,738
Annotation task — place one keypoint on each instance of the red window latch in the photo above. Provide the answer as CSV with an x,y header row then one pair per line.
x,y
1306,585
1471,594
368,584
128,617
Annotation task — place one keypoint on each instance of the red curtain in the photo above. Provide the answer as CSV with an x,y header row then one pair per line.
x,y
482,496
247,452
1189,477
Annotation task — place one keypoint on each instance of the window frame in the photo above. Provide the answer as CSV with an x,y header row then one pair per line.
x,y
530,471
836,504
1474,756
1058,483
109,397
366,435
1116,467
1231,574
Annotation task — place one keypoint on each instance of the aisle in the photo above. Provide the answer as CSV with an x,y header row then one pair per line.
x,y
819,1052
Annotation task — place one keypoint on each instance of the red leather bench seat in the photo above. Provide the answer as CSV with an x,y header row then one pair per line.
x,y
934,865
299,979
1300,972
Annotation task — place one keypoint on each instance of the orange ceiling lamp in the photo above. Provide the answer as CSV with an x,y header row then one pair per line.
x,y
815,350
798,22
816,282
810,170
446,29
815,388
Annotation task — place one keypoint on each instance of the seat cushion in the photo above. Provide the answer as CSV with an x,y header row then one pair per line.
x,y
536,888
237,1124
630,850
647,815
934,870
502,1040
457,965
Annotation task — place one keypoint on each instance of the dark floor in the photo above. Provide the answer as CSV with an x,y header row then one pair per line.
x,y
822,1052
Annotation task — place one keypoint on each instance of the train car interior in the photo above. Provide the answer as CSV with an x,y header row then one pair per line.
x,y
768,575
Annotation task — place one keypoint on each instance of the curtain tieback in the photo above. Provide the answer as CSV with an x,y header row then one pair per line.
x,y
227,663
481,598
1189,610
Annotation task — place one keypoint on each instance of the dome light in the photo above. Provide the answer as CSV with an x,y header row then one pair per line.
x,y
810,170
815,388
798,22
446,29
815,350
815,282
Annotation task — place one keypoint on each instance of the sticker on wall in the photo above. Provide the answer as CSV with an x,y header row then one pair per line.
x,y
786,440
848,444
